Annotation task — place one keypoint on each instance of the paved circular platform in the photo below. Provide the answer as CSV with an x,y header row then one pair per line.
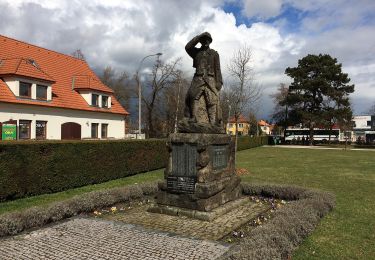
x,y
88,238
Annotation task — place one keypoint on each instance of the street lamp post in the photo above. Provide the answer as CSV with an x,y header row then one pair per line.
x,y
140,92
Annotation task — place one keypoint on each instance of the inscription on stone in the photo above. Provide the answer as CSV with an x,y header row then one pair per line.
x,y
184,159
181,184
219,155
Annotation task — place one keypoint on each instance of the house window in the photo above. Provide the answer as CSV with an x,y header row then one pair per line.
x,y
25,89
94,130
41,130
41,92
104,130
24,129
95,100
105,101
240,125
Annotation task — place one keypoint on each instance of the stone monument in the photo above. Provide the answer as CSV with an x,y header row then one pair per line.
x,y
200,174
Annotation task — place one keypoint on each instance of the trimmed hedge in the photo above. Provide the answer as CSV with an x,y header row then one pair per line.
x,y
247,142
33,168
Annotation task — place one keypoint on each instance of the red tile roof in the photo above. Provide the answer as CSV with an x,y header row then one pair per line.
x,y
241,119
89,82
54,67
23,67
263,123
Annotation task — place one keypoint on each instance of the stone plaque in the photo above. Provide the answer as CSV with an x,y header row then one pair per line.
x,y
219,155
181,184
184,159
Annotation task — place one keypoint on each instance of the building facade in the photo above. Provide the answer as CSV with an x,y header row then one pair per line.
x,y
48,95
364,128
243,126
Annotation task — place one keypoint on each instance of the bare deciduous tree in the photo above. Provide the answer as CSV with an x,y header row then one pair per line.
x,y
174,97
243,92
163,76
371,111
78,54
119,83
279,113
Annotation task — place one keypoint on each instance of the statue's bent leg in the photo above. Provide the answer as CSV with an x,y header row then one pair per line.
x,y
211,103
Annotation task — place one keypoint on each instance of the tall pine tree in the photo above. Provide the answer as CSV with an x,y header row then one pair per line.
x,y
319,93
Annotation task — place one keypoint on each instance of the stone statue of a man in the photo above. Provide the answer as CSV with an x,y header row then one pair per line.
x,y
202,99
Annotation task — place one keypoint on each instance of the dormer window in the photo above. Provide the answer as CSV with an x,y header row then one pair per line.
x,y
105,101
25,90
41,92
95,100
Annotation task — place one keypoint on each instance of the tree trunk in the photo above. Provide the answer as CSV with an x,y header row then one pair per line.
x,y
235,139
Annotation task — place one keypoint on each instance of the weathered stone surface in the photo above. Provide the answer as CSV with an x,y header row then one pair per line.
x,y
206,190
200,173
188,126
199,139
203,159
195,227
202,215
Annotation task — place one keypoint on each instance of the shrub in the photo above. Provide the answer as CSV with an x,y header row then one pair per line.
x,y
16,222
282,234
32,168
247,142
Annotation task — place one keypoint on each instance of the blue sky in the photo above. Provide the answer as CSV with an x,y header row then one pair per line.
x,y
279,32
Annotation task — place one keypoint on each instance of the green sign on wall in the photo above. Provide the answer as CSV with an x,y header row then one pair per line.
x,y
9,132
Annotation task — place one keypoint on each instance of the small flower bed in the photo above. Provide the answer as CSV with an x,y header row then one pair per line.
x,y
262,219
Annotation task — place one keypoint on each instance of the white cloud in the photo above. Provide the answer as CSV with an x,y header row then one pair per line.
x,y
262,8
120,33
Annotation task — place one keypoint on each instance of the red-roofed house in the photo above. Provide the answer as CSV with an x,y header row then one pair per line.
x,y
50,95
243,126
266,127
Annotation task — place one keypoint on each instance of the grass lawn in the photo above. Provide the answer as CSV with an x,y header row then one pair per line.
x,y
348,232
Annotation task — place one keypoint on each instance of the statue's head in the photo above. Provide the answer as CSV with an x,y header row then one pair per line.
x,y
205,39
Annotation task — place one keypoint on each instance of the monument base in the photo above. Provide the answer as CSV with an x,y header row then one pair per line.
x,y
196,214
200,174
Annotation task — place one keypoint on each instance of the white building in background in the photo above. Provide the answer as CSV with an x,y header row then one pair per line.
x,y
49,95
364,128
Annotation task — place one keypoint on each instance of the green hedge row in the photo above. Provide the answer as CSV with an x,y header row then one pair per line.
x,y
32,168
247,142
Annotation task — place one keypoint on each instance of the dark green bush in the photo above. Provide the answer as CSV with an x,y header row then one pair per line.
x,y
32,168
247,142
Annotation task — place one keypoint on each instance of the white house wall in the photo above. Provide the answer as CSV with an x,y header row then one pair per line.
x,y
55,117
14,85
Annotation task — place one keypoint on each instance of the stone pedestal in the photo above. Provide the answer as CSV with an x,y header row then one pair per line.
x,y
200,174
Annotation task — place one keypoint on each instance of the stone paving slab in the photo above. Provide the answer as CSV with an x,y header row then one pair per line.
x,y
87,238
213,230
